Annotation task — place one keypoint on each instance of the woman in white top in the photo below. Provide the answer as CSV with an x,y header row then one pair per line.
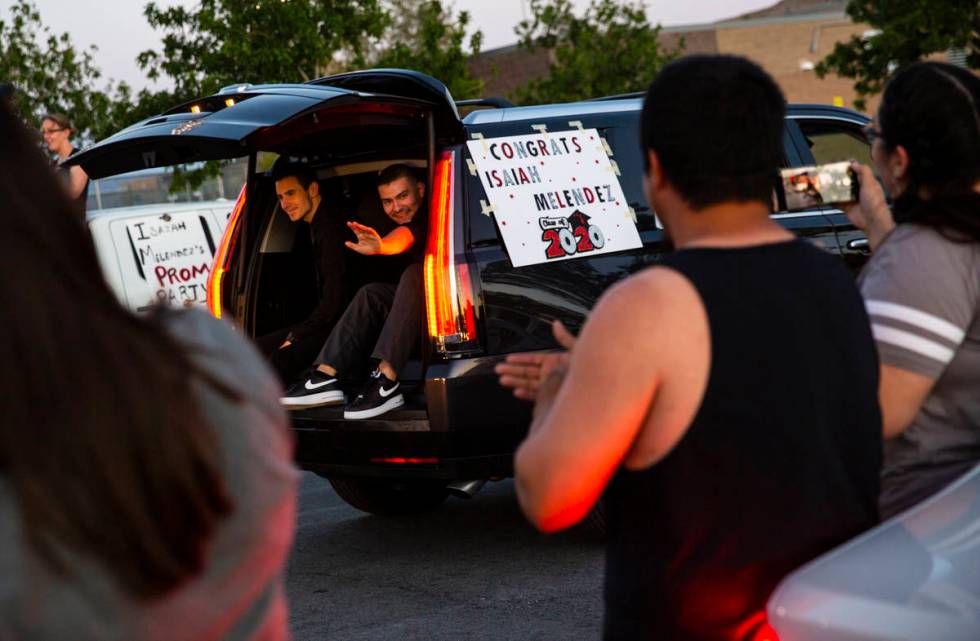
x,y
922,285
145,493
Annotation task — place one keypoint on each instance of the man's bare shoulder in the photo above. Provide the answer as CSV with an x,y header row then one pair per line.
x,y
649,310
650,290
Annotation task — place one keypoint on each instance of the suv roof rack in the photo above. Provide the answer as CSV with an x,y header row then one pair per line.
x,y
499,103
618,96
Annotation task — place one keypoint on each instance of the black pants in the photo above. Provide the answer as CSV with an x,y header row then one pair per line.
x,y
290,362
382,316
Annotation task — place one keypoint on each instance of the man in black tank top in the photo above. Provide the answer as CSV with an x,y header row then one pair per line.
x,y
724,401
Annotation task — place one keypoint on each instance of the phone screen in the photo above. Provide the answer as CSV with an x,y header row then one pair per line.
x,y
817,186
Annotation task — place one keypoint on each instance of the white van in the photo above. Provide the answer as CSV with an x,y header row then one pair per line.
x,y
153,253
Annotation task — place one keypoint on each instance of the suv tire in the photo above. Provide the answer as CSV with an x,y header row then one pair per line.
x,y
390,497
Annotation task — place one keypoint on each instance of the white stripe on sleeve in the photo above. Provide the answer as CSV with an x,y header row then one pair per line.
x,y
911,342
929,322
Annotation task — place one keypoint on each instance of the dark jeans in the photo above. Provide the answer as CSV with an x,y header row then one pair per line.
x,y
290,362
384,316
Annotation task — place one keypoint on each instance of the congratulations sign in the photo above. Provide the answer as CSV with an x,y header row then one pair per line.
x,y
555,196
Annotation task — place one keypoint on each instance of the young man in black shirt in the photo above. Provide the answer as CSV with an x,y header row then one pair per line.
x,y
384,315
723,401
290,350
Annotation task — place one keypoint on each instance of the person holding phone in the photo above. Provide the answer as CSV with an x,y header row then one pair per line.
x,y
922,284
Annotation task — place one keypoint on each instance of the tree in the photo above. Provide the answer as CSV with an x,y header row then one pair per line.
x,y
904,31
611,49
222,42
51,75
426,37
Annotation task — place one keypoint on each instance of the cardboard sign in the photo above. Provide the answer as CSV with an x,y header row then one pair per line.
x,y
555,196
173,254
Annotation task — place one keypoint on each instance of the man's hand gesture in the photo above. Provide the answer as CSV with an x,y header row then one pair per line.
x,y
368,240
536,376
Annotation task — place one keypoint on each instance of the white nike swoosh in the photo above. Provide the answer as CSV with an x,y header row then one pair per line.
x,y
312,385
385,393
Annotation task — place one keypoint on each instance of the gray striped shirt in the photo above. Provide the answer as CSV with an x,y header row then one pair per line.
x,y
922,293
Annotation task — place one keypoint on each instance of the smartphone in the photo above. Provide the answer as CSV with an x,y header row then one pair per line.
x,y
827,185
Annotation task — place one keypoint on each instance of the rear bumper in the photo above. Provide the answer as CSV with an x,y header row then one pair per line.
x,y
459,420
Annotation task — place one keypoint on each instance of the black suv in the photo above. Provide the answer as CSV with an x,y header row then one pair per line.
x,y
458,428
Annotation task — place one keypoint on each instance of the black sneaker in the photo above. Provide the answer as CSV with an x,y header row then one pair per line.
x,y
379,395
314,390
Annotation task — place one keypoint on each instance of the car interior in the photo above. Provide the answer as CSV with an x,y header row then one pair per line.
x,y
284,275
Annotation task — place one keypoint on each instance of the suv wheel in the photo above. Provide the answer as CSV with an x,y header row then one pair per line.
x,y
387,497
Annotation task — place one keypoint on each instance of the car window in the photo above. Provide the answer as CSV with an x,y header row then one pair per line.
x,y
833,141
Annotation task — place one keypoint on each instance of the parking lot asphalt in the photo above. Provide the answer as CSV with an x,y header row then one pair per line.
x,y
469,570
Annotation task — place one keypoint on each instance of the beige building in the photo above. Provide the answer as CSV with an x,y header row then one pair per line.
x,y
787,39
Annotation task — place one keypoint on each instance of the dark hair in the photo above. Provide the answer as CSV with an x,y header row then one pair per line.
x,y
62,120
931,109
105,450
716,125
391,173
285,168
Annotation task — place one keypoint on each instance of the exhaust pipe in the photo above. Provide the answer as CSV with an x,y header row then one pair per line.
x,y
466,489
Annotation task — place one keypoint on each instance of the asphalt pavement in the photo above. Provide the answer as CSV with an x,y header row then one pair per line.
x,y
469,570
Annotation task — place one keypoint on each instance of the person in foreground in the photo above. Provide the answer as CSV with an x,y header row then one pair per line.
x,y
731,421
147,490
922,285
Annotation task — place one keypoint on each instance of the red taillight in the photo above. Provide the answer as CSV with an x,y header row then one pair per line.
x,y
222,257
448,293
756,628
406,461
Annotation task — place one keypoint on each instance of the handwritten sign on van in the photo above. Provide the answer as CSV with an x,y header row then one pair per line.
x,y
173,254
554,195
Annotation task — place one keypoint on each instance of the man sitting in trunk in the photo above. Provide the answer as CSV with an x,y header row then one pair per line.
x,y
384,315
289,350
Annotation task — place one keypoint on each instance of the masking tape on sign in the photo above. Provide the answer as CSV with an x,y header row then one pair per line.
x,y
541,129
613,167
486,208
575,123
478,136
606,147
631,214
471,165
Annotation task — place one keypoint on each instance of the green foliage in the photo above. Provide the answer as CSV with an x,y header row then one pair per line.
x,y
222,42
610,49
426,37
51,75
906,31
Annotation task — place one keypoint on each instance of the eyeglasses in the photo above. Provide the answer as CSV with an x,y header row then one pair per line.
x,y
871,133
52,131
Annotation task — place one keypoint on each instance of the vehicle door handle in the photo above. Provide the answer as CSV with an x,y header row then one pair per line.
x,y
859,244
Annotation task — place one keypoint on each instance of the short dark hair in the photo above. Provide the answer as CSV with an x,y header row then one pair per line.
x,y
285,168
716,125
391,173
60,119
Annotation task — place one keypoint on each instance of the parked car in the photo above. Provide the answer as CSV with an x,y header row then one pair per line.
x,y
496,275
914,577
159,253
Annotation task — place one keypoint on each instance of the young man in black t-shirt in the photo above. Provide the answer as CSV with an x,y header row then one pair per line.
x,y
723,402
291,349
384,315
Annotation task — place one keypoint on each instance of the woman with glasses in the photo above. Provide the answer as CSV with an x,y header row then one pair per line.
x,y
922,285
57,131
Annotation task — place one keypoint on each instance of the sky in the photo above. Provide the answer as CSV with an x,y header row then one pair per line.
x,y
119,30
